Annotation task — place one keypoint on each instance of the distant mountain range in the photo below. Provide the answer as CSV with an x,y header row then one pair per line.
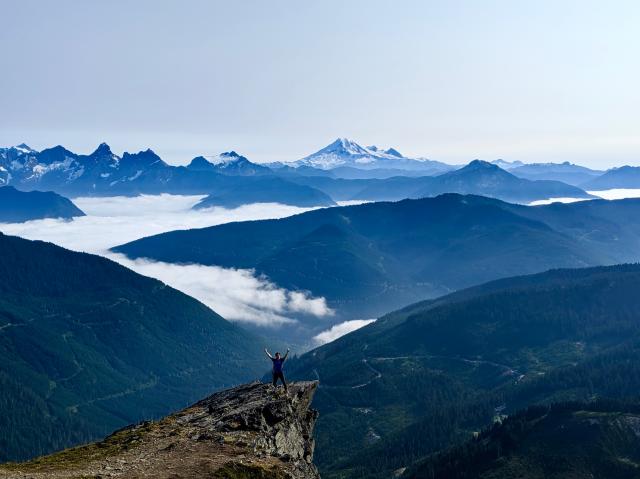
x,y
18,206
230,177
623,177
566,172
478,177
432,374
507,165
88,346
343,170
368,259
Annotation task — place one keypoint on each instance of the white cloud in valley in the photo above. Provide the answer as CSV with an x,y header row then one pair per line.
x,y
116,220
617,193
236,294
613,194
339,330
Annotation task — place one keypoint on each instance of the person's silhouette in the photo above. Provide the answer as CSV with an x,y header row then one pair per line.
x,y
278,362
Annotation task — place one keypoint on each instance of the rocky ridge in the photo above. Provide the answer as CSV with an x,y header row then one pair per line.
x,y
250,431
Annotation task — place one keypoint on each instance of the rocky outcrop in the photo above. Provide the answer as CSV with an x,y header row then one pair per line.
x,y
250,431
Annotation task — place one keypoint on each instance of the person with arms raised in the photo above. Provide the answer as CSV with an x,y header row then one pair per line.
x,y
278,362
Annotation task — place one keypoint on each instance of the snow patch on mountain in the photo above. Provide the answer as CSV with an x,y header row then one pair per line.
x,y
226,158
23,148
41,169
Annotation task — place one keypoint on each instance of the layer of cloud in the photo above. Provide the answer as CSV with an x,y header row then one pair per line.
x,y
617,193
548,201
236,294
115,220
340,330
614,194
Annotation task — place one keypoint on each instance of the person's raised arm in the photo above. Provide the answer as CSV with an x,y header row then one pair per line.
x,y
267,353
287,354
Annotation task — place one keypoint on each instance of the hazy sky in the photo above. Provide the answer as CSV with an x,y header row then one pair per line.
x,y
276,80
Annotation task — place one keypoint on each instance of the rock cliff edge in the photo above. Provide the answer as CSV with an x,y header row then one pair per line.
x,y
249,431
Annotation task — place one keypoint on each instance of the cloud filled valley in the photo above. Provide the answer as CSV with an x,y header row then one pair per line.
x,y
236,294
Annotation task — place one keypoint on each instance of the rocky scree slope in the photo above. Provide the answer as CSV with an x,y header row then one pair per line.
x,y
250,431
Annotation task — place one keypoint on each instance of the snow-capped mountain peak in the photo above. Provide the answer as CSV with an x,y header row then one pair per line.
x,y
230,156
226,158
346,152
345,146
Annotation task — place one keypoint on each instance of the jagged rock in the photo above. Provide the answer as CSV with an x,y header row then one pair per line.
x,y
245,432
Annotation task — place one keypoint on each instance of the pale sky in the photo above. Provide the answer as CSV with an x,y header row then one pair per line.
x,y
277,80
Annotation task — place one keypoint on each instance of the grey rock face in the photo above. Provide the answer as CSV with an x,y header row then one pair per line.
x,y
283,424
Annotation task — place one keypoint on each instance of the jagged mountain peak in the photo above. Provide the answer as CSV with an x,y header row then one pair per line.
x,y
146,156
230,154
24,148
102,150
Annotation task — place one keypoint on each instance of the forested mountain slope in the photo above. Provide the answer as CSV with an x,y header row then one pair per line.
x,y
428,376
597,440
87,346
